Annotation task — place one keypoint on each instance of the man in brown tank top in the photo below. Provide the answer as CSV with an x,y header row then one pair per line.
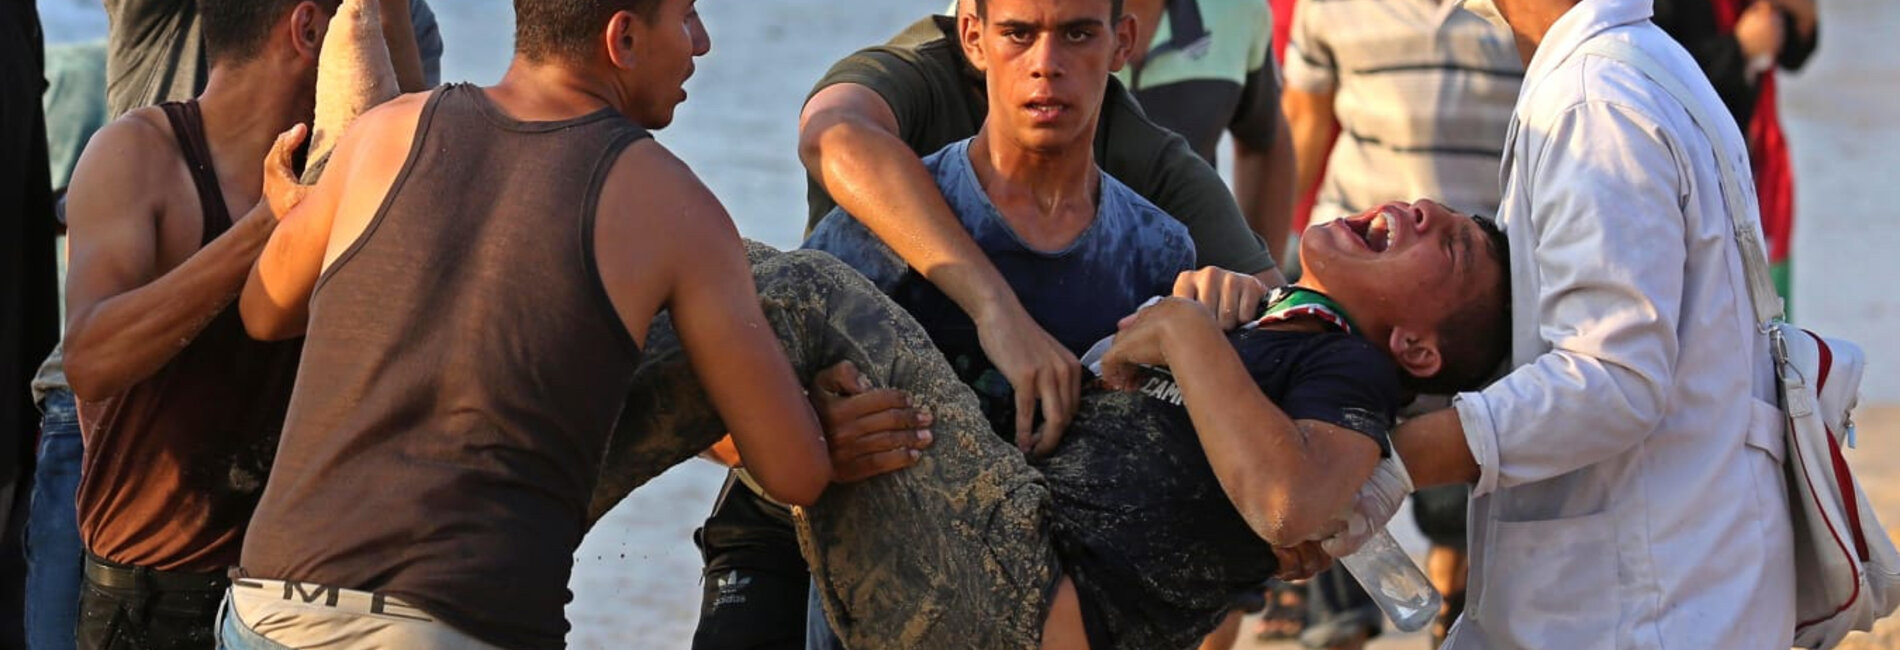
x,y
465,360
179,408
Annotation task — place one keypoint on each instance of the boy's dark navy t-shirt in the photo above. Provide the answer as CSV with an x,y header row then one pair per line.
x,y
1129,253
1156,549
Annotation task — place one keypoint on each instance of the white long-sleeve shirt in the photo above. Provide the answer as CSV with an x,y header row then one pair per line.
x,y
1630,493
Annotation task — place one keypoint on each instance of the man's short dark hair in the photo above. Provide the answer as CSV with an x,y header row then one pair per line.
x,y
1473,341
1114,9
568,29
236,30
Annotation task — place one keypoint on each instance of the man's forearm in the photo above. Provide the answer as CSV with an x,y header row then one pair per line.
x,y
1263,183
876,178
1434,450
399,33
1311,121
123,340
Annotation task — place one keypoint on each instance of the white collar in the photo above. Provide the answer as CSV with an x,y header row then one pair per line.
x,y
1588,18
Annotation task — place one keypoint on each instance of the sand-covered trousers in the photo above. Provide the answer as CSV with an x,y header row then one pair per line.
x,y
953,552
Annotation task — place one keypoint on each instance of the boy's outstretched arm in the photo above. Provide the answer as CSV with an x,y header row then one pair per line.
x,y
1288,478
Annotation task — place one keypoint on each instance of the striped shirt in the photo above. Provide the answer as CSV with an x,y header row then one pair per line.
x,y
1422,91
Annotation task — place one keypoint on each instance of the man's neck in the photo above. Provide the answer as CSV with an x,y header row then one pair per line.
x,y
1531,20
549,91
245,107
1047,197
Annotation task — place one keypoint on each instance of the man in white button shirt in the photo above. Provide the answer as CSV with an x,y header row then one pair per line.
x,y
1626,487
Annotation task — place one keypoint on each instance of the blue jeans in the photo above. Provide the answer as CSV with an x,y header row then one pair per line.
x,y
818,634
53,550
233,634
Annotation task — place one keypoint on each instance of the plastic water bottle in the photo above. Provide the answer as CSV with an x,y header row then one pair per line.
x,y
1395,582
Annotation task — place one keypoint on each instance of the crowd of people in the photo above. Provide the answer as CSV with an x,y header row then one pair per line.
x,y
353,359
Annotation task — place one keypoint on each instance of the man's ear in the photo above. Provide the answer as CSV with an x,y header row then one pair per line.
x,y
1416,352
1126,31
308,24
624,31
970,35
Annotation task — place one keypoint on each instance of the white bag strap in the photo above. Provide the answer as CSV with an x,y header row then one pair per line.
x,y
1761,286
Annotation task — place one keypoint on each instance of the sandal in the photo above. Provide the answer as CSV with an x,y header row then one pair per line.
x,y
1285,614
1447,615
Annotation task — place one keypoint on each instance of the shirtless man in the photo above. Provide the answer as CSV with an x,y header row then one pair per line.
x,y
438,458
180,409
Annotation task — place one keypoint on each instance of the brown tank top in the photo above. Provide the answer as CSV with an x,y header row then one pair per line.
x,y
174,466
463,370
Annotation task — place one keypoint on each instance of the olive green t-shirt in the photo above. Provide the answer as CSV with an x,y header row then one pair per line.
x,y
939,98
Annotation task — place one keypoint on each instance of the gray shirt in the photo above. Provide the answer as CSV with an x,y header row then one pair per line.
x,y
155,51
1422,90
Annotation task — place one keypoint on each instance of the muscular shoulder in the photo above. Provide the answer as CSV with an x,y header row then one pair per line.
x,y
143,136
377,143
135,158
650,186
649,190
400,113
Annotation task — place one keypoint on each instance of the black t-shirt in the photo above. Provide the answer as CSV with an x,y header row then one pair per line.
x,y
939,99
1156,549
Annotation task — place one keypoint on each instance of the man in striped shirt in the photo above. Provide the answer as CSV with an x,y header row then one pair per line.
x,y
1421,94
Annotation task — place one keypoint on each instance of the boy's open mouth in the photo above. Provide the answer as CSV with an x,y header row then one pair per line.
x,y
1376,232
